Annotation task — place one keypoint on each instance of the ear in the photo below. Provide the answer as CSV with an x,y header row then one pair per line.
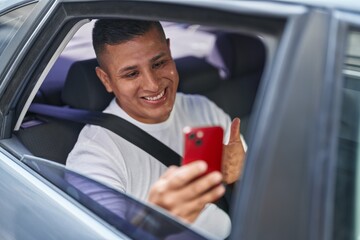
x,y
104,78
168,45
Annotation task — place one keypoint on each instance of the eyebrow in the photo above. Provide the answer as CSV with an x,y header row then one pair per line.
x,y
160,55
129,68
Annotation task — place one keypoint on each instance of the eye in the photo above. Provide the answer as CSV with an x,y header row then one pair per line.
x,y
132,74
158,64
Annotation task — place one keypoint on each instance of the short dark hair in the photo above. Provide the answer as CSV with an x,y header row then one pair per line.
x,y
116,31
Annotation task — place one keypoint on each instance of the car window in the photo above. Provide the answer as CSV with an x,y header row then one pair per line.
x,y
347,198
10,23
209,61
128,215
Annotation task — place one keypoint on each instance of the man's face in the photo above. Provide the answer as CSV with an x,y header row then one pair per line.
x,y
142,75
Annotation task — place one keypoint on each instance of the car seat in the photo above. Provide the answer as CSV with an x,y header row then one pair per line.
x,y
53,138
240,60
83,89
196,75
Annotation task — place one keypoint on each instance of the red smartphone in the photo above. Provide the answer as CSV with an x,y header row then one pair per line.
x,y
204,143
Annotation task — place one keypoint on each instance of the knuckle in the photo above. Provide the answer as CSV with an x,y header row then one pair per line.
x,y
158,191
201,204
168,201
216,193
178,212
197,188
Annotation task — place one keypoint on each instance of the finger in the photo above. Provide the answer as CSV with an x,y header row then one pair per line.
x,y
173,179
191,209
176,197
161,186
169,171
185,174
200,186
235,130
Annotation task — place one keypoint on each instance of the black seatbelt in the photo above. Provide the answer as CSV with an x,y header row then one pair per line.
x,y
118,125
124,129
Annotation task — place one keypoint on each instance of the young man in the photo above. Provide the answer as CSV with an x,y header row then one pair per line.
x,y
136,65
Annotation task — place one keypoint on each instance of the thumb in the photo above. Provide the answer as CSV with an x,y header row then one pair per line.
x,y
235,130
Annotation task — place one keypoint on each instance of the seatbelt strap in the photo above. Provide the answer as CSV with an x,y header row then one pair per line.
x,y
118,125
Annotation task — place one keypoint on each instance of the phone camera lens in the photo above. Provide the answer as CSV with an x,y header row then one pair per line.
x,y
192,136
198,142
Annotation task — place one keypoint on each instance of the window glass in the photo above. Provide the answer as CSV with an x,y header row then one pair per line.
x,y
353,64
5,4
347,198
128,215
10,23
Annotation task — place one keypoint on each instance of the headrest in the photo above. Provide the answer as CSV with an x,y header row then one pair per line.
x,y
196,75
237,55
83,89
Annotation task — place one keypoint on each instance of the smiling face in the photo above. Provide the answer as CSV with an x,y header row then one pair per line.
x,y
142,75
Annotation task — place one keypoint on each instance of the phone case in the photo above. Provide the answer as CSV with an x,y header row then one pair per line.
x,y
204,143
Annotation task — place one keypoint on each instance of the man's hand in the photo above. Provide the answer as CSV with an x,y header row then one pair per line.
x,y
233,154
182,191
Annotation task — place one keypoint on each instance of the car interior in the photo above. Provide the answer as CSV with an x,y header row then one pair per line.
x,y
229,74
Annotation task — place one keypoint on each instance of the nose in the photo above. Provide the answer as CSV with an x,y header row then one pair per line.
x,y
150,81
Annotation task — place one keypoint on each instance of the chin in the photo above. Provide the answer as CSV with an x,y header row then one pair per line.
x,y
161,117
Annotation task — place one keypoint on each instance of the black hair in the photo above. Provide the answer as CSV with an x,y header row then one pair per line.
x,y
117,31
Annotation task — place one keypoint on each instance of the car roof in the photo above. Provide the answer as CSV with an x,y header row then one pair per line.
x,y
349,5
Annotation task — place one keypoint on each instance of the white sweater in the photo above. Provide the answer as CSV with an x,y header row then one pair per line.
x,y
106,157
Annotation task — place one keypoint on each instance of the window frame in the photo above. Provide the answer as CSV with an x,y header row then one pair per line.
x,y
345,22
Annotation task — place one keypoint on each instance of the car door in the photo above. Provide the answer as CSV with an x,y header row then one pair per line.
x,y
279,196
281,181
301,177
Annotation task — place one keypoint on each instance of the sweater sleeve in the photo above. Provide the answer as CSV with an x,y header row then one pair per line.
x,y
214,221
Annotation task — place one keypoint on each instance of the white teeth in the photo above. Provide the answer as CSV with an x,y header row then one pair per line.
x,y
156,97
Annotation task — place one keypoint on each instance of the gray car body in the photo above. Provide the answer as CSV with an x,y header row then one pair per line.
x,y
289,179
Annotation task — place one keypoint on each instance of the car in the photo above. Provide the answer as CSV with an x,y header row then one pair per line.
x,y
289,69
